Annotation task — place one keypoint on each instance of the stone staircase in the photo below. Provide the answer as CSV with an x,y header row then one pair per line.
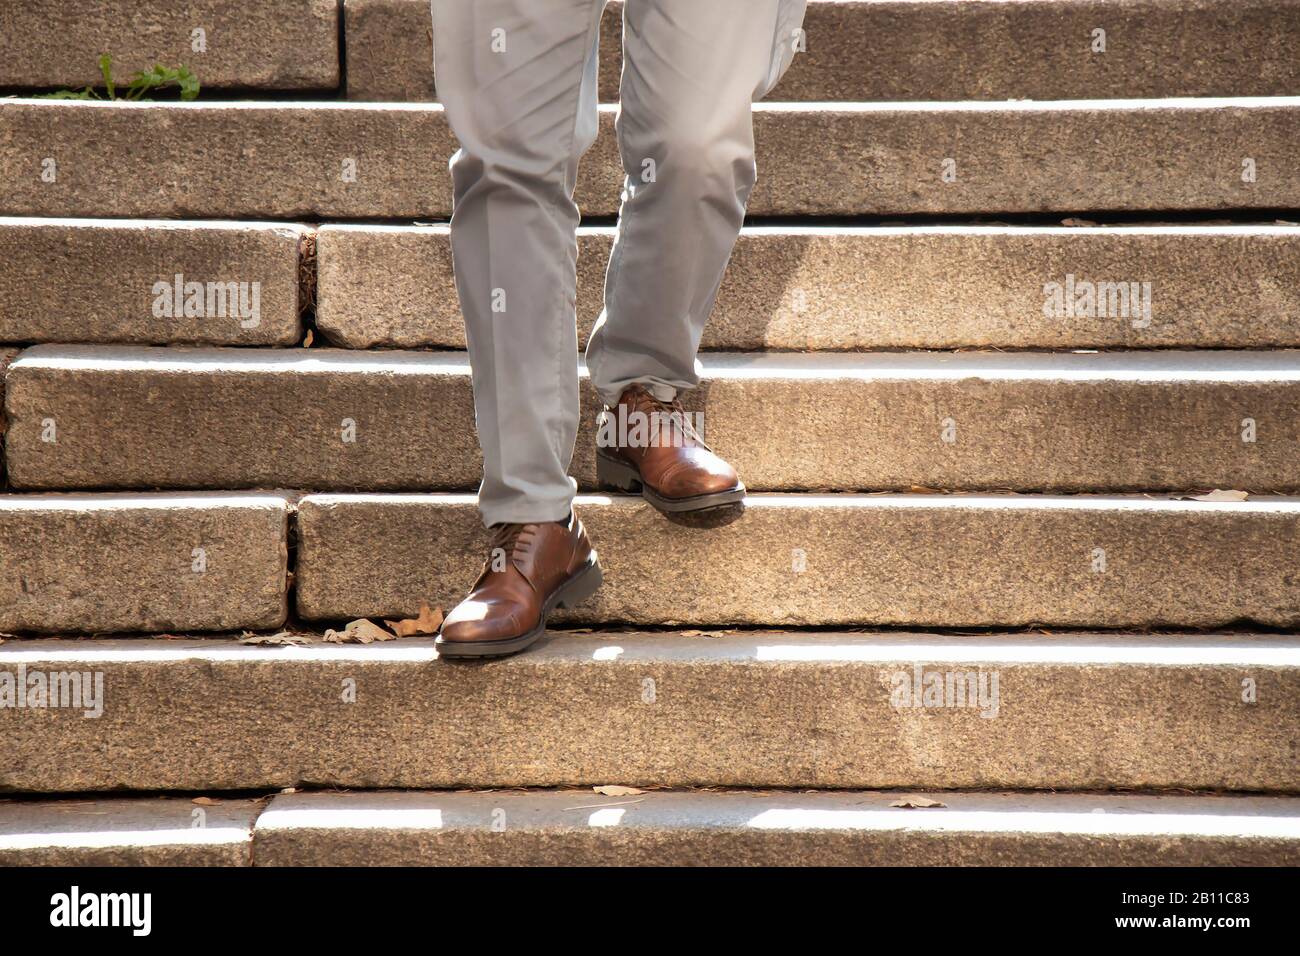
x,y
967,485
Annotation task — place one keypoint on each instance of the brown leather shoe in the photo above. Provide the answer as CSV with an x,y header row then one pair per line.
x,y
659,453
531,570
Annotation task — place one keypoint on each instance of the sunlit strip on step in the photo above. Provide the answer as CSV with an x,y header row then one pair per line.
x,y
1164,650
956,502
124,839
1227,366
128,501
938,820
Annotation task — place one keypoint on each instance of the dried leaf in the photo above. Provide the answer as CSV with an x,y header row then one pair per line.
x,y
1220,495
601,806
360,631
307,339
278,639
1073,221
426,622
613,790
701,633
204,801
917,803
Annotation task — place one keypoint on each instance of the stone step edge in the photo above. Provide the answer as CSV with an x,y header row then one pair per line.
x,y
1172,501
897,226
793,106
242,831
1142,365
762,646
1187,500
1190,498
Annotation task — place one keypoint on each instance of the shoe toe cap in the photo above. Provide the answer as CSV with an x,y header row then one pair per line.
x,y
473,620
699,473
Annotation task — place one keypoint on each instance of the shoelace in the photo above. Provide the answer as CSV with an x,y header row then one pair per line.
x,y
678,414
505,537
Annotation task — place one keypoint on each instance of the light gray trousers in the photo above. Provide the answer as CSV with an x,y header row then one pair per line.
x,y
517,79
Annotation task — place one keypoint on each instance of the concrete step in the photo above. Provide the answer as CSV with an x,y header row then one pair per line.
x,y
240,418
323,419
389,161
794,709
788,287
101,280
142,562
775,829
909,560
714,828
139,831
819,288
269,45
909,50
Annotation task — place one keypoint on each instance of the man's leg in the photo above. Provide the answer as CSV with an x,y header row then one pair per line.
x,y
517,81
691,70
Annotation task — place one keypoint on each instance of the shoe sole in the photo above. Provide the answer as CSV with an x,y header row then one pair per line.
x,y
581,585
612,473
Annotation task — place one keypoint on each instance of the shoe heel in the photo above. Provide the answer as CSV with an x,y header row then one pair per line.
x,y
583,586
615,474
